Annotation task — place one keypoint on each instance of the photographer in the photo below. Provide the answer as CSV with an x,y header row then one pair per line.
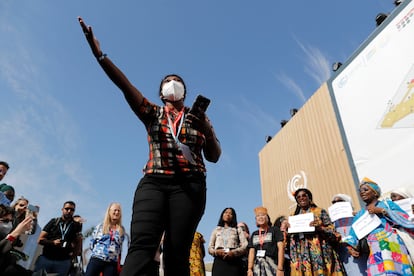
x,y
61,239
8,256
171,196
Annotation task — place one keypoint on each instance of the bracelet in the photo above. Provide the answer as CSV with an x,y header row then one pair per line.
x,y
10,238
280,269
384,212
101,57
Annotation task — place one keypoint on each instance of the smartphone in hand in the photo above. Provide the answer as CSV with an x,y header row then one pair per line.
x,y
200,106
33,212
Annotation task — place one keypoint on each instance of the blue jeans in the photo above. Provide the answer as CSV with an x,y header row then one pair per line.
x,y
174,204
61,267
96,266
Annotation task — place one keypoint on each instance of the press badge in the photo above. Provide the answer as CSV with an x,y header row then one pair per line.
x,y
261,253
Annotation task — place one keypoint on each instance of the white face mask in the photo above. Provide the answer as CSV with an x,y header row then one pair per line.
x,y
173,91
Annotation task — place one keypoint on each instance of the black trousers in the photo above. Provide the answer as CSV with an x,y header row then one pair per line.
x,y
174,204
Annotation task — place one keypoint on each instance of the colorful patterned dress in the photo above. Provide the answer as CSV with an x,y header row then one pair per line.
x,y
388,254
313,253
197,253
353,266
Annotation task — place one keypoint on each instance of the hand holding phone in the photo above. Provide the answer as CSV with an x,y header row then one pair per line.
x,y
200,106
32,211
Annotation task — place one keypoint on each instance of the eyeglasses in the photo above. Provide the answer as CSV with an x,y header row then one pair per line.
x,y
69,209
364,189
337,200
22,205
301,195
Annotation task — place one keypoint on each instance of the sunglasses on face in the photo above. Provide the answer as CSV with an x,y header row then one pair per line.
x,y
5,220
69,209
337,200
364,189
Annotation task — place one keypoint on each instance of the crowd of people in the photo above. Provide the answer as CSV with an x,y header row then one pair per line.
x,y
328,247
169,202
382,246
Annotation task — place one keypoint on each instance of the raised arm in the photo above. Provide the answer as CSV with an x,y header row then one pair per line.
x,y
131,93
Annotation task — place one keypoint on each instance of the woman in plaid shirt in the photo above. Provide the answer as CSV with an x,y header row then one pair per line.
x,y
171,195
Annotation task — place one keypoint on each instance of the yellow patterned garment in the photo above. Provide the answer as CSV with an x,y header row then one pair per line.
x,y
197,255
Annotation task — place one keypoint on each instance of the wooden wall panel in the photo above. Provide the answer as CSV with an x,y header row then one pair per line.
x,y
308,147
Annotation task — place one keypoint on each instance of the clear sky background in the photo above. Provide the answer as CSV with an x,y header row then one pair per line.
x,y
68,133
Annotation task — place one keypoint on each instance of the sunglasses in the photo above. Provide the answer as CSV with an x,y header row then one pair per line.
x,y
5,220
69,209
338,200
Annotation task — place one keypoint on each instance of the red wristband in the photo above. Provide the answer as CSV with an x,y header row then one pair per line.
x,y
10,238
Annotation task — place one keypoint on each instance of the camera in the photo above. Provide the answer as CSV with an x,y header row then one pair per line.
x,y
200,106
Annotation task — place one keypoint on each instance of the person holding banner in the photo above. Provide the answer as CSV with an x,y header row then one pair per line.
x,y
388,254
352,265
312,251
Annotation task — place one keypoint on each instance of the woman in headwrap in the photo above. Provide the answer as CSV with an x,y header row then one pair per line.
x,y
400,194
352,265
312,253
388,254
266,247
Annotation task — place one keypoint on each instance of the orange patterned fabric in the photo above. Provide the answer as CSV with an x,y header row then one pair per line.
x,y
197,255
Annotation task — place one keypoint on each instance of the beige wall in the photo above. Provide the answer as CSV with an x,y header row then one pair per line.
x,y
307,152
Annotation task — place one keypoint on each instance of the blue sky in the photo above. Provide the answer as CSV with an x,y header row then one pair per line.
x,y
68,133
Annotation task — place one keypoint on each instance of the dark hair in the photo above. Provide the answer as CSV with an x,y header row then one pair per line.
x,y
246,227
171,75
5,210
278,221
4,163
233,222
310,198
69,202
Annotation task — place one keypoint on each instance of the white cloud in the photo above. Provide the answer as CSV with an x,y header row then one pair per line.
x,y
292,86
317,64
38,136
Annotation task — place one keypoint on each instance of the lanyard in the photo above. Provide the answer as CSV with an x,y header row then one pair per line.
x,y
111,235
186,151
171,125
64,229
226,235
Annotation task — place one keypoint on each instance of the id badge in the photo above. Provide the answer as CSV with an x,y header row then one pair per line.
x,y
226,250
111,248
186,152
261,253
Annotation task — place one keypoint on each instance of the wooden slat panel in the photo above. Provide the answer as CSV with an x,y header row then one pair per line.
x,y
310,143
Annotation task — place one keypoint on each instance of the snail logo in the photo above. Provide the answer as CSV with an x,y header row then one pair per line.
x,y
296,182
